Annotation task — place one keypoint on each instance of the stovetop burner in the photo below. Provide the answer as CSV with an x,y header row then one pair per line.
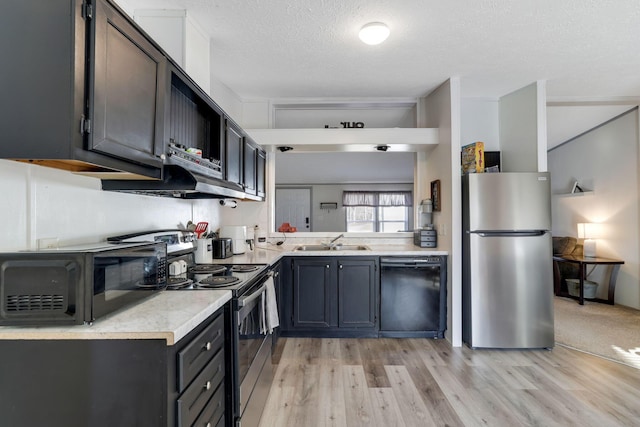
x,y
244,268
207,269
174,283
217,281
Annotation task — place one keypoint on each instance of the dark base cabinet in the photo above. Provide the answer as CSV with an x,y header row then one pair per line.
x,y
331,297
362,297
118,382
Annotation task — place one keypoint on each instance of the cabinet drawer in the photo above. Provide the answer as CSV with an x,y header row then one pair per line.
x,y
195,355
196,396
213,413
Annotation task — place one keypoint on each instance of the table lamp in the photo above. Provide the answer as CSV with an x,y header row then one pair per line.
x,y
589,232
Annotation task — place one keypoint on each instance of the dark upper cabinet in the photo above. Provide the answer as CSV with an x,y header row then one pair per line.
x,y
128,94
194,122
234,149
250,159
261,164
81,90
88,91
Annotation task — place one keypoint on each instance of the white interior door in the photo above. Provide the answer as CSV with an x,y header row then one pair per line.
x,y
293,205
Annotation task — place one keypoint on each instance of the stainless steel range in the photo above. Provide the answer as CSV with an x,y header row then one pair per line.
x,y
251,336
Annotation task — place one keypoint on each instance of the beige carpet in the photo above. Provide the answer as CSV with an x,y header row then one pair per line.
x,y
610,331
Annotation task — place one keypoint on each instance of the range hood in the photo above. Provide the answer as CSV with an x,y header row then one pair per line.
x,y
178,182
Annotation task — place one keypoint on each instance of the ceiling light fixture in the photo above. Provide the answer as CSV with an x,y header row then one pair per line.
x,y
374,33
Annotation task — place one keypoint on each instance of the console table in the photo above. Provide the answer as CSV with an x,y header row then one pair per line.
x,y
582,264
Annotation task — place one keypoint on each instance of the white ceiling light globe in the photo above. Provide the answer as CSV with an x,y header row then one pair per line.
x,y
374,33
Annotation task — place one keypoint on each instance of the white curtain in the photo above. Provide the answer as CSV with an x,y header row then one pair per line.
x,y
377,198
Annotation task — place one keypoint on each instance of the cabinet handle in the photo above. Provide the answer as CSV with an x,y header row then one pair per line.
x,y
327,265
207,346
340,266
207,386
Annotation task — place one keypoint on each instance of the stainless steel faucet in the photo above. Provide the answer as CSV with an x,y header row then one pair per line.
x,y
331,243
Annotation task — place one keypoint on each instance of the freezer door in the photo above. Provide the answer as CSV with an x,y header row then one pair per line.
x,y
510,292
509,201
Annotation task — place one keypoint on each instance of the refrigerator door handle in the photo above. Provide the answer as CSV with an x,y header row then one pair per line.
x,y
533,233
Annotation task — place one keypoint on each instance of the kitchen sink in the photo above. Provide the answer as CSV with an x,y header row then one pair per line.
x,y
338,247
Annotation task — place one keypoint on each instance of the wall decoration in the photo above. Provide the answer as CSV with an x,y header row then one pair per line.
x,y
435,195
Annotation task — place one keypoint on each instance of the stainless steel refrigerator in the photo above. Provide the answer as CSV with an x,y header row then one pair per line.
x,y
507,261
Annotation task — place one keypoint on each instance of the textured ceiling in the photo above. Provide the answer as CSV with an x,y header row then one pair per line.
x,y
310,49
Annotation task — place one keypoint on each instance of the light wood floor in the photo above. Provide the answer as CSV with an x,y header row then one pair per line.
x,y
423,382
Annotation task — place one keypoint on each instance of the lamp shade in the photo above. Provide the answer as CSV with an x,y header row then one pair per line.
x,y
588,230
374,33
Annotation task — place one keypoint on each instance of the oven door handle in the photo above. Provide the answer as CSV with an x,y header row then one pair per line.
x,y
246,300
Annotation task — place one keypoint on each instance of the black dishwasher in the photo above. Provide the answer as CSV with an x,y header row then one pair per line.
x,y
413,296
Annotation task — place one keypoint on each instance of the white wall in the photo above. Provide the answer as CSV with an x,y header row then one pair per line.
x,y
480,123
41,202
441,109
519,131
182,38
604,160
344,167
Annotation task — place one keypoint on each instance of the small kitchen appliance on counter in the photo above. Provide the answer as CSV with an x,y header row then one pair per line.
x,y
78,284
238,235
222,248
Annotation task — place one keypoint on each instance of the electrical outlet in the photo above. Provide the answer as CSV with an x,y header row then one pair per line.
x,y
442,229
48,243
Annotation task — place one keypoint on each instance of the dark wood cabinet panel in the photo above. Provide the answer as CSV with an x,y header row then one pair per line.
x,y
333,296
250,159
357,293
261,170
128,92
313,293
233,156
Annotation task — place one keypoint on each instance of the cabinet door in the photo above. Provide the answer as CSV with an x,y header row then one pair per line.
x,y
233,153
260,173
250,159
357,290
128,94
312,293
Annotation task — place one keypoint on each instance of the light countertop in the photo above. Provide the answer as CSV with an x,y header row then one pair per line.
x,y
169,316
272,253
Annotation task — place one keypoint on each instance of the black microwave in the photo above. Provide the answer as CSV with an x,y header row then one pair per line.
x,y
75,285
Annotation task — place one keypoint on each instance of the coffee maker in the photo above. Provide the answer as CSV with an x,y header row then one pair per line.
x,y
426,209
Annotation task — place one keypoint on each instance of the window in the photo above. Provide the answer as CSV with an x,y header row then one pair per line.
x,y
384,211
